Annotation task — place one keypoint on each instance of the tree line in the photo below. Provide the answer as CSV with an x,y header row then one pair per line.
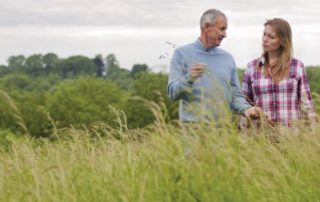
x,y
42,93
49,92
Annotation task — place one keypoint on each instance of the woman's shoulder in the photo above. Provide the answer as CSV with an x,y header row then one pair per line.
x,y
296,62
297,67
253,63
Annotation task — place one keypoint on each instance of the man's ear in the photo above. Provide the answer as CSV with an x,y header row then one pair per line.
x,y
206,26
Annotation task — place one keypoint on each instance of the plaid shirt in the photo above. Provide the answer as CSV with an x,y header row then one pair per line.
x,y
283,101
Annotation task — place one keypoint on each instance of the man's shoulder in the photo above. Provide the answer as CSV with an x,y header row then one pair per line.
x,y
186,50
186,47
224,52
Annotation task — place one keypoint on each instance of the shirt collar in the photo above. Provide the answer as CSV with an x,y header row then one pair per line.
x,y
200,45
262,61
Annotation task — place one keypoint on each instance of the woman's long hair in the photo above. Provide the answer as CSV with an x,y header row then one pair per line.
x,y
280,70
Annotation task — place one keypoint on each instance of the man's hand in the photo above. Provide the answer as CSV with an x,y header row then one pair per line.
x,y
197,70
253,112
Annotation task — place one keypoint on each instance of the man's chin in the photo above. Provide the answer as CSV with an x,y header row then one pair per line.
x,y
215,44
218,43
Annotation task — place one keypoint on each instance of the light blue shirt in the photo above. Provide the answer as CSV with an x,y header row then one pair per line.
x,y
216,92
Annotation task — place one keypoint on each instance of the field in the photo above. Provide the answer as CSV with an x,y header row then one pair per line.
x,y
163,162
67,134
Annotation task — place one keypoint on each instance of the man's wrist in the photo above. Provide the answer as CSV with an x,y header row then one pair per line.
x,y
189,79
190,82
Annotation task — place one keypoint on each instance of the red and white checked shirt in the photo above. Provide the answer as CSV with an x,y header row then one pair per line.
x,y
283,101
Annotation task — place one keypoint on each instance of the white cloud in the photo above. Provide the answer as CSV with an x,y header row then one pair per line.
x,y
136,30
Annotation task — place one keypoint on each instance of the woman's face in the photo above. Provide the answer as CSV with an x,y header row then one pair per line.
x,y
270,40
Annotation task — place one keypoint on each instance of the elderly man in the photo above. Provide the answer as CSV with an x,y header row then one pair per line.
x,y
204,77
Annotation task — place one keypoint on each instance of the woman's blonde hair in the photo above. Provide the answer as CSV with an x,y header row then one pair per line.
x,y
280,70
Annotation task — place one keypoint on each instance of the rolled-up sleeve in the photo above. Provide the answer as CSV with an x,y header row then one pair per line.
x,y
246,84
306,104
239,102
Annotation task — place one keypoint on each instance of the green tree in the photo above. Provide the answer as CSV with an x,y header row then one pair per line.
x,y
34,65
118,75
16,81
313,73
240,74
152,87
74,66
32,107
29,95
138,68
111,61
112,66
4,70
16,63
10,115
50,61
100,67
85,100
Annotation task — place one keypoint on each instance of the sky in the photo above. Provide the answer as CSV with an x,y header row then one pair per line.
x,y
148,31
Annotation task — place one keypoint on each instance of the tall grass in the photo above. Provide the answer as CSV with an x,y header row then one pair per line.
x,y
9,107
164,162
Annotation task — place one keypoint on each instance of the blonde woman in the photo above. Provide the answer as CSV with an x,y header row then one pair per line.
x,y
277,82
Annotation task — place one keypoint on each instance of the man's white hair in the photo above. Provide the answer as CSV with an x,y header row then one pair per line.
x,y
210,16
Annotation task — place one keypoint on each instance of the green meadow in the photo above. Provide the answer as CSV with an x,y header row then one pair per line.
x,y
163,163
67,134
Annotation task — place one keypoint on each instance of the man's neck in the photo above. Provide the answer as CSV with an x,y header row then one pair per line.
x,y
204,42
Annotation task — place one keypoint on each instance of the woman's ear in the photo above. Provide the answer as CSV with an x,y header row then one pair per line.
x,y
282,42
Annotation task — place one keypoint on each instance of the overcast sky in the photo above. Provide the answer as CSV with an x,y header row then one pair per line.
x,y
138,31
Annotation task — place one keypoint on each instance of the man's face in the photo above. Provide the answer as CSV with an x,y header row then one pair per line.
x,y
216,32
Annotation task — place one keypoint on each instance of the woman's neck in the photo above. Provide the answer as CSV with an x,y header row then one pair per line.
x,y
273,58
